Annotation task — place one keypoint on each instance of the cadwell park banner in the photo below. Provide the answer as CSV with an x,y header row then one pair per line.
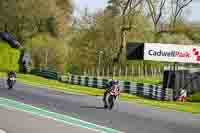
x,y
172,53
164,52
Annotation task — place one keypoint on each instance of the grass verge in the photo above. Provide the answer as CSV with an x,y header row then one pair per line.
x,y
35,80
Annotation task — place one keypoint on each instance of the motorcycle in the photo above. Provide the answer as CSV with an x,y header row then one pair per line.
x,y
113,94
11,81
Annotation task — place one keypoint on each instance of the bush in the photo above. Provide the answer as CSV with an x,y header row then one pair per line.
x,y
9,58
73,69
194,97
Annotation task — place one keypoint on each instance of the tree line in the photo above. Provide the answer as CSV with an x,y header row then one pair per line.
x,y
60,41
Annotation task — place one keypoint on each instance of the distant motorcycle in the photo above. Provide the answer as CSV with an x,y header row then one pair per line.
x,y
113,94
11,81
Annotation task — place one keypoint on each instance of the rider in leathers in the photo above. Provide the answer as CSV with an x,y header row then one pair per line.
x,y
108,89
11,74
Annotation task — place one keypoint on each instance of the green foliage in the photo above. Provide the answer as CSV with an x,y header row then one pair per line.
x,y
103,33
194,33
47,52
195,36
194,97
9,58
25,19
73,69
180,38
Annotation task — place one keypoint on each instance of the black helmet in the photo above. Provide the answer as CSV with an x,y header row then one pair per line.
x,y
115,81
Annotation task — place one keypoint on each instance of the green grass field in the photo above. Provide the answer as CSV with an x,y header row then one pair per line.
x,y
39,81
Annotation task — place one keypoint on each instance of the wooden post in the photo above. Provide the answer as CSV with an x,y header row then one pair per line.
x,y
156,72
160,71
93,71
145,70
84,72
89,74
108,72
139,71
132,73
46,57
151,70
126,71
114,71
103,72
119,71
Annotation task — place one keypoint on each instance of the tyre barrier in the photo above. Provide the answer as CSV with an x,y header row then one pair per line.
x,y
140,89
45,73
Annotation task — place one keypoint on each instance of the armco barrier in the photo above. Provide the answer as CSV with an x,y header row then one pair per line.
x,y
45,73
145,90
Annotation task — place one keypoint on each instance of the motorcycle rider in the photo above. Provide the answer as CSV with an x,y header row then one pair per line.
x,y
11,74
108,88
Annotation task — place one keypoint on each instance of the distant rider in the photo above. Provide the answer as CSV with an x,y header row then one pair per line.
x,y
11,74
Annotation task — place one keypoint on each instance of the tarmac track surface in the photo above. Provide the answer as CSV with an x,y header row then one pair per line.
x,y
126,117
13,121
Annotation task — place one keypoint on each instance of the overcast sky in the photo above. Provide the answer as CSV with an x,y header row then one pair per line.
x,y
94,5
195,10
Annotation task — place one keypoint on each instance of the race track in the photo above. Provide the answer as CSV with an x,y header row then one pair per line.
x,y
126,117
13,121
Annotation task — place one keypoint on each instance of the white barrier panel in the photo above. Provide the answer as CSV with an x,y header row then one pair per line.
x,y
172,53
100,83
133,89
82,80
75,79
90,82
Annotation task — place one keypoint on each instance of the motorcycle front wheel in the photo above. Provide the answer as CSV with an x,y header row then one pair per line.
x,y
111,101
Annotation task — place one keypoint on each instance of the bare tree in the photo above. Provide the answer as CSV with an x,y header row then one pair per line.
x,y
128,9
177,9
156,8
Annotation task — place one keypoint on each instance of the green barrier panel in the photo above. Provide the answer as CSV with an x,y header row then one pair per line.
x,y
45,73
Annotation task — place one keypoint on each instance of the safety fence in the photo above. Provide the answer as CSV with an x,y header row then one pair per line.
x,y
141,89
45,73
